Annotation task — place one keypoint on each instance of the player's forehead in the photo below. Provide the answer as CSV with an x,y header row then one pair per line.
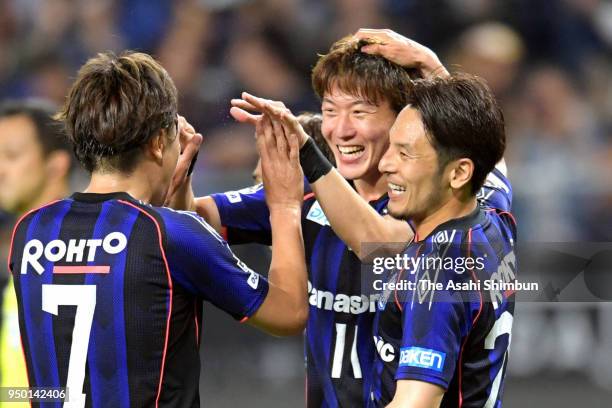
x,y
408,131
342,95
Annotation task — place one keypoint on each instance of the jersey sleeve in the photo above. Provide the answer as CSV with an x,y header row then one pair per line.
x,y
201,262
433,326
496,191
245,215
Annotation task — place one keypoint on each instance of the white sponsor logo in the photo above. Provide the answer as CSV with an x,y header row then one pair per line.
x,y
443,237
316,214
505,274
71,251
421,357
341,303
385,350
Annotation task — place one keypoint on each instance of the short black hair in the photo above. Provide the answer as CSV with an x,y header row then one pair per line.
x,y
461,119
49,133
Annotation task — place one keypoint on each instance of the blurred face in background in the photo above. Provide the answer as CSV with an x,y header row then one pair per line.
x,y
22,163
357,132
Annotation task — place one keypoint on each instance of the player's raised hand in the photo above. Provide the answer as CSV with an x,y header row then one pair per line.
x,y
402,51
276,110
180,194
240,107
280,165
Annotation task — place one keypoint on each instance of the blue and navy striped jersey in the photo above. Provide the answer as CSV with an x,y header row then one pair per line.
x,y
455,335
110,298
339,348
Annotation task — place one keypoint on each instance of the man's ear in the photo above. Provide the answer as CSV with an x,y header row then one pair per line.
x,y
461,173
58,164
157,144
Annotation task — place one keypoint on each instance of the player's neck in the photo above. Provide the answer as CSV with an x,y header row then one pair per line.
x,y
450,210
138,185
371,187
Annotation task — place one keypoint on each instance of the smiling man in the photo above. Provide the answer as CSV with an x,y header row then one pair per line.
x,y
444,347
362,85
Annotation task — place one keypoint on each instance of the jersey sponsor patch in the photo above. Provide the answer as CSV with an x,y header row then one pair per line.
x,y
235,197
317,215
422,358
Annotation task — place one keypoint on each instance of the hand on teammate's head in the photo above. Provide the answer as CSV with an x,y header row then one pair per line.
x,y
401,51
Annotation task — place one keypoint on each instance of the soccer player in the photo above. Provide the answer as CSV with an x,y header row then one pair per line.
x,y
362,85
35,168
443,347
109,285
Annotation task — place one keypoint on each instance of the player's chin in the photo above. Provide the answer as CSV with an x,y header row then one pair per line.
x,y
353,171
397,209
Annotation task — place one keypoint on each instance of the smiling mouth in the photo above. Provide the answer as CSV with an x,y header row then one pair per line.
x,y
351,152
396,189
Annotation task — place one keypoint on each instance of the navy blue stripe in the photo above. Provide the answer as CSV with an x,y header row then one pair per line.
x,y
324,270
45,227
107,348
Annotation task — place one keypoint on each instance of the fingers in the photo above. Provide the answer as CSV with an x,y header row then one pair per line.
x,y
189,150
265,140
242,104
292,142
242,116
280,138
373,49
372,34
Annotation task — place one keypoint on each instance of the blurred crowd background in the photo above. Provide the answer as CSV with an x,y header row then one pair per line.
x,y
548,61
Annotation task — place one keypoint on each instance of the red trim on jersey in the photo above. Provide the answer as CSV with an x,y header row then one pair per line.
x,y
195,312
397,302
473,321
81,269
307,196
244,319
161,247
500,212
10,254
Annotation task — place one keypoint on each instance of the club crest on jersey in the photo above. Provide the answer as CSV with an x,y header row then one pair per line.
x,y
316,214
422,358
253,280
386,294
72,251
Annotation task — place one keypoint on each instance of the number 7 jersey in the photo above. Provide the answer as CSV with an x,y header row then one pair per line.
x,y
110,298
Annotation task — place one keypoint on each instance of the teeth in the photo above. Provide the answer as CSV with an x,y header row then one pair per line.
x,y
396,188
351,150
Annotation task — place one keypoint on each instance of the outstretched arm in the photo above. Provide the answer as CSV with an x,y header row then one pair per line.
x,y
362,224
285,308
